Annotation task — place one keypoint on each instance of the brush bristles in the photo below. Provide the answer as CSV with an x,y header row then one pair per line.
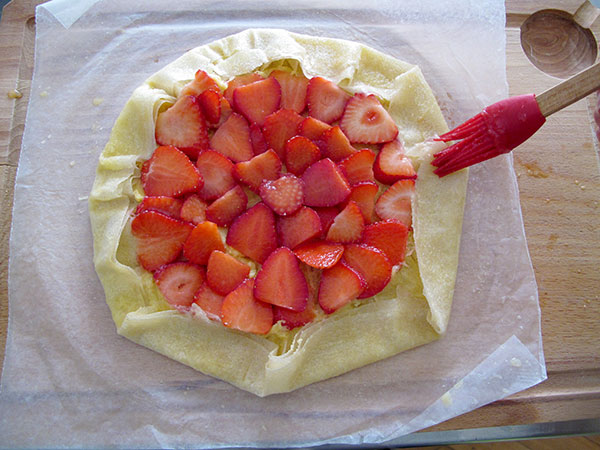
x,y
477,146
467,129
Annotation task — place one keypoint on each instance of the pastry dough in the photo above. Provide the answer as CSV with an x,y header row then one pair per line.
x,y
412,310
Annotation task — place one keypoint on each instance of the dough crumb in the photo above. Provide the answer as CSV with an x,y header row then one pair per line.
x,y
72,164
447,399
44,94
515,362
97,101
14,94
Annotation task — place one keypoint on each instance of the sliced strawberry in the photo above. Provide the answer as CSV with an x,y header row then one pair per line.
x,y
227,207
279,127
300,153
339,285
183,126
169,172
325,99
224,273
293,90
166,205
324,184
390,237
193,209
366,121
392,164
253,233
335,145
257,138
209,301
178,282
210,102
358,167
293,319
201,82
232,139
202,241
319,254
395,203
364,195
312,128
299,227
240,80
242,311
217,173
283,195
370,263
348,225
159,238
255,101
281,282
327,214
263,167
226,111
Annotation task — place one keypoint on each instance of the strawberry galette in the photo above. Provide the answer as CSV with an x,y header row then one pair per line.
x,y
265,211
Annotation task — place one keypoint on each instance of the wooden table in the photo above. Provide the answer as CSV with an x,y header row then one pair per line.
x,y
559,184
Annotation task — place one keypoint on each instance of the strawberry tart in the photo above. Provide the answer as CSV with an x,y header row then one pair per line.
x,y
265,211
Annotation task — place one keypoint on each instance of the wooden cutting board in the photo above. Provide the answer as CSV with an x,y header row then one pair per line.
x,y
559,183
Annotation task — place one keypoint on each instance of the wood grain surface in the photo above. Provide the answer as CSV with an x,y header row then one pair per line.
x,y
559,184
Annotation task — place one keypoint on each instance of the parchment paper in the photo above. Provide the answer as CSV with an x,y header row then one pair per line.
x,y
70,381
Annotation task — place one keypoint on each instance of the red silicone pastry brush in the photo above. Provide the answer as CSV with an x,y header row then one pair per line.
x,y
501,127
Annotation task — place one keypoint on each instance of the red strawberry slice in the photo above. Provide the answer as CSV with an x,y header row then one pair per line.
x,y
319,254
358,167
201,82
193,209
226,111
392,164
298,227
335,145
325,99
390,237
169,172
279,127
364,195
327,215
347,226
293,319
166,205
202,241
395,203
227,207
281,282
253,233
339,285
366,121
370,263
240,80
263,167
324,184
209,301
283,195
242,311
224,273
159,238
255,101
210,102
293,90
312,128
217,173
232,139
300,153
183,126
178,282
259,144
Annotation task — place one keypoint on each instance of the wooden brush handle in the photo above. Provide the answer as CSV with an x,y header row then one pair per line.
x,y
569,91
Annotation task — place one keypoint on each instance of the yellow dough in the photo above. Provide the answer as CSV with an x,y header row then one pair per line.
x,y
412,310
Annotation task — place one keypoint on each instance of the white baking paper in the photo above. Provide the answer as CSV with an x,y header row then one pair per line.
x,y
70,381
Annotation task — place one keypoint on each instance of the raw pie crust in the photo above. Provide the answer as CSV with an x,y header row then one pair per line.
x,y
411,311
